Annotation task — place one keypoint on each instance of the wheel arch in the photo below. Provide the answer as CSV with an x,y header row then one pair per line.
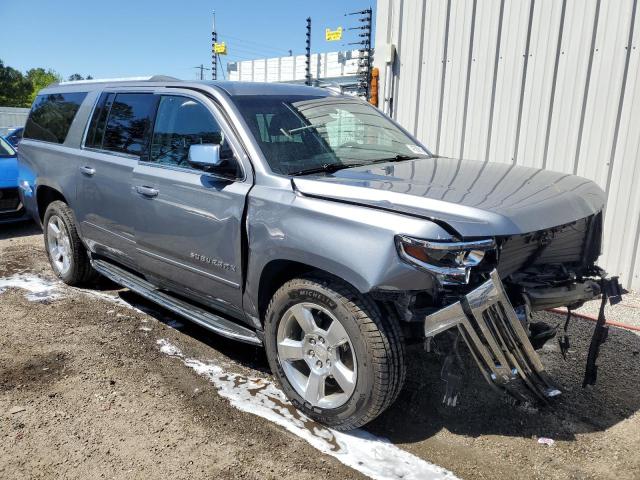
x,y
44,196
279,271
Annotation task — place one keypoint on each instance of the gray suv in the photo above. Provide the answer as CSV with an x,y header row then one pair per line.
x,y
309,222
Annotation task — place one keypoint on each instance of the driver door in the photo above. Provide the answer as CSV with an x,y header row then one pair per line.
x,y
189,220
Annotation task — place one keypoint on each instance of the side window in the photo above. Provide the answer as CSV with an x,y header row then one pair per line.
x,y
95,135
51,116
182,122
128,123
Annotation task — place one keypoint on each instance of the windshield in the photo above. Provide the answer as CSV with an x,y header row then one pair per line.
x,y
300,134
5,149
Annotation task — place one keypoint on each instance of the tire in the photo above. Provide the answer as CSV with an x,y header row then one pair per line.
x,y
67,255
375,345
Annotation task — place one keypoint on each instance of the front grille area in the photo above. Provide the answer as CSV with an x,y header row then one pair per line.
x,y
497,340
9,200
573,243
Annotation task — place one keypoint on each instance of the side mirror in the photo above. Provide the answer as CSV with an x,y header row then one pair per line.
x,y
205,155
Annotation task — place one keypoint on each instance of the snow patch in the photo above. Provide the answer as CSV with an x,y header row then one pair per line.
x,y
373,456
38,289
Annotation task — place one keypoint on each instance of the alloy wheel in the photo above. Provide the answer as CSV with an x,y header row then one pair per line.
x,y
317,355
59,245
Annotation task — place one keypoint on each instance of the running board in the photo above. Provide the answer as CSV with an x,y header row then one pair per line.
x,y
208,320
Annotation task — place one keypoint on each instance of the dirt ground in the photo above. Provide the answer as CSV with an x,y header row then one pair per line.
x,y
85,392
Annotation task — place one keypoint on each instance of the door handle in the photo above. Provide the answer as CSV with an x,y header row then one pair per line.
x,y
90,171
146,191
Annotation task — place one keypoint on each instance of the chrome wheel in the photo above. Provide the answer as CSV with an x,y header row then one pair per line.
x,y
317,356
59,245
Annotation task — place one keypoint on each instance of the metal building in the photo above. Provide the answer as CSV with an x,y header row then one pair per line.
x,y
553,84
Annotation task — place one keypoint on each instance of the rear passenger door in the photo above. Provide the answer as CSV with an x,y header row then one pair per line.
x,y
189,218
116,139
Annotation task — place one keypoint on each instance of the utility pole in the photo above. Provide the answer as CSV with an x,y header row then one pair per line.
x,y
308,54
202,68
214,55
365,61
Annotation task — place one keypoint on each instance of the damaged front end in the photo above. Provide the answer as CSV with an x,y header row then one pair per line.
x,y
492,311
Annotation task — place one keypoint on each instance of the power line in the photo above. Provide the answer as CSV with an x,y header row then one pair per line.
x,y
261,45
202,68
254,52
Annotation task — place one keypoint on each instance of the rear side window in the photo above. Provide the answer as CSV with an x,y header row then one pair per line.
x,y
95,135
128,122
51,116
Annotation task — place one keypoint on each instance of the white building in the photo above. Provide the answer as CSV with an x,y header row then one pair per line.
x,y
546,83
338,67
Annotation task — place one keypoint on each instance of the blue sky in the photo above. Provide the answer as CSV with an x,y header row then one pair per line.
x,y
145,37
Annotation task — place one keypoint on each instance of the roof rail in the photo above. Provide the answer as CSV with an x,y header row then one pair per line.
x,y
152,78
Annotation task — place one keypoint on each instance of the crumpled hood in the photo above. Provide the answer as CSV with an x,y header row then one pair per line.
x,y
474,198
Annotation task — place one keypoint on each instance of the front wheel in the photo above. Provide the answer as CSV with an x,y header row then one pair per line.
x,y
337,357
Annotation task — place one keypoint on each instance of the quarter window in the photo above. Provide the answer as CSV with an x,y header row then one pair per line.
x,y
95,135
128,123
51,116
182,122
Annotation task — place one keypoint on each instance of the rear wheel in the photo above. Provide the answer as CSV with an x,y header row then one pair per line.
x,y
337,357
67,255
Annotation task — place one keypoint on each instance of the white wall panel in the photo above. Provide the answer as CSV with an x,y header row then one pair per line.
x,y
509,80
542,54
481,79
426,111
456,79
543,83
603,102
573,74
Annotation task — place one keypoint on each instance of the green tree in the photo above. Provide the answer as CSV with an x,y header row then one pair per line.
x,y
15,88
75,76
41,78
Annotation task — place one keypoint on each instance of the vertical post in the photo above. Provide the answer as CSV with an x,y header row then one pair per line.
x,y
308,54
365,52
214,55
368,15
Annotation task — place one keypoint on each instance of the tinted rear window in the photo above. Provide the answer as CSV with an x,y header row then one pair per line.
x,y
128,123
51,116
95,135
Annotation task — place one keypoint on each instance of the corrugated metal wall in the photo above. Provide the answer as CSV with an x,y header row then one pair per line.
x,y
546,83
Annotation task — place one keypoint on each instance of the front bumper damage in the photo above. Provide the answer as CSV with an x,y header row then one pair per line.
x,y
497,340
499,343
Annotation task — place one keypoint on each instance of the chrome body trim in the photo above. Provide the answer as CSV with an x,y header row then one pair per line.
x,y
497,340
209,320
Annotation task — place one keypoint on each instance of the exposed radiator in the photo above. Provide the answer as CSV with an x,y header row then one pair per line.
x,y
566,244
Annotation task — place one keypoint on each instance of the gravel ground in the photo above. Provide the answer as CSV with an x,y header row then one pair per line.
x,y
626,312
94,397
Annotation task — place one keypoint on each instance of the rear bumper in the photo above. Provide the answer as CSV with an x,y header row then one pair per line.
x,y
497,339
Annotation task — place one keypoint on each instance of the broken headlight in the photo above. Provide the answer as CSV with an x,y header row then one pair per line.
x,y
450,262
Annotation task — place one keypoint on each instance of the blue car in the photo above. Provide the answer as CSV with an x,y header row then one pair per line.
x,y
14,137
11,208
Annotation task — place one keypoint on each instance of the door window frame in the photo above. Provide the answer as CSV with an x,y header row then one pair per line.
x,y
213,109
117,91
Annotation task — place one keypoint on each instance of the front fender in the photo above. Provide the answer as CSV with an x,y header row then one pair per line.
x,y
352,242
